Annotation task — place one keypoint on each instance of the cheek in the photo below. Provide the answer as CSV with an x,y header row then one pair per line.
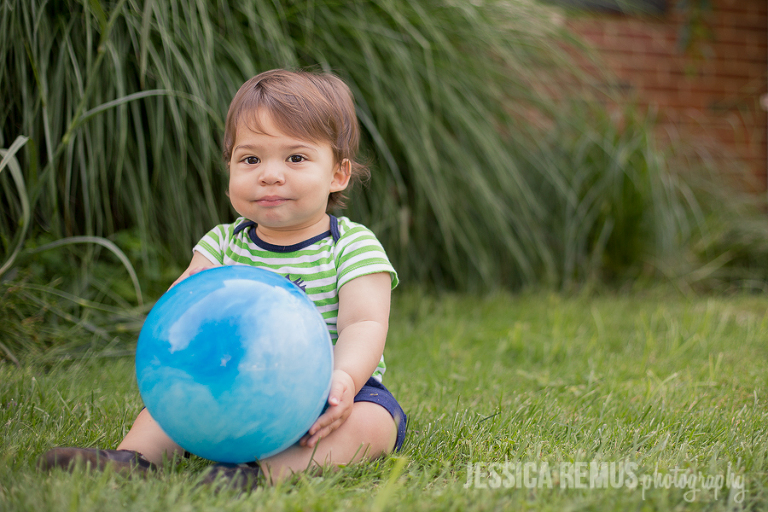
x,y
236,183
237,196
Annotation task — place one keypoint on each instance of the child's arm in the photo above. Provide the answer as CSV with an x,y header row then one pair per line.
x,y
198,263
362,325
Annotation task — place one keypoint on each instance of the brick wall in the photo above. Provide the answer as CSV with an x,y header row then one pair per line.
x,y
708,96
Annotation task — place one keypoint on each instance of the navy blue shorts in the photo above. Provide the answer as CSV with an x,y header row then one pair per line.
x,y
375,392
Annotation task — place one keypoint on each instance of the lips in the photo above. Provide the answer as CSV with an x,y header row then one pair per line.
x,y
268,201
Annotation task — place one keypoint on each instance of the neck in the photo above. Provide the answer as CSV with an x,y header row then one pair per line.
x,y
293,234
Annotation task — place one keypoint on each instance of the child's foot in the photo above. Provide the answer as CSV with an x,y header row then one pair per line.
x,y
122,461
243,477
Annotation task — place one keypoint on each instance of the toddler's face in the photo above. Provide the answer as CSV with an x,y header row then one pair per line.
x,y
280,182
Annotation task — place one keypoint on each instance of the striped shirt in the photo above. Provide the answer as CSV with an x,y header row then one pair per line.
x,y
320,265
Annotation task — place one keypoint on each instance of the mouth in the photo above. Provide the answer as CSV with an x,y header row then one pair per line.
x,y
268,201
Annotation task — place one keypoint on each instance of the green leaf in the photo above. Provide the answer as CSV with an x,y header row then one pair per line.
x,y
9,160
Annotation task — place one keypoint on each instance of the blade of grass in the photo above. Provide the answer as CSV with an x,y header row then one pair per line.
x,y
9,160
104,243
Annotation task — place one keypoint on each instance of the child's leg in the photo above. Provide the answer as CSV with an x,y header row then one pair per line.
x,y
147,438
142,449
369,432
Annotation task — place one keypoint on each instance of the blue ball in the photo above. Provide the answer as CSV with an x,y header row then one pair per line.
x,y
234,363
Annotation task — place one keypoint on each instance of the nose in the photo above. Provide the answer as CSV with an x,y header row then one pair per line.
x,y
271,173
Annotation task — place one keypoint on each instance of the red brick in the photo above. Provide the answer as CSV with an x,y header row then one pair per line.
x,y
660,80
756,8
736,68
739,20
708,69
747,52
734,5
757,72
714,88
729,35
695,99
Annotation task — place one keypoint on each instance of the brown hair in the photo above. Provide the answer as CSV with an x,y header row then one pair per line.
x,y
310,106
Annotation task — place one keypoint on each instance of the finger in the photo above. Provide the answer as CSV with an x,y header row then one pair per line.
x,y
325,432
320,430
327,418
325,425
337,391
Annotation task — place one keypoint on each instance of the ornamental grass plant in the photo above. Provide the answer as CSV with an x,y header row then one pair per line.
x,y
496,164
116,109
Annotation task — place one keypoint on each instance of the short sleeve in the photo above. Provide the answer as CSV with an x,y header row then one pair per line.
x,y
213,245
359,253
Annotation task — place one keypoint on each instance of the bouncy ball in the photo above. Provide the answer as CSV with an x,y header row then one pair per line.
x,y
234,363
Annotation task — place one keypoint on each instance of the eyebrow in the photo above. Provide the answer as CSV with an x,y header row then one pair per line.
x,y
292,147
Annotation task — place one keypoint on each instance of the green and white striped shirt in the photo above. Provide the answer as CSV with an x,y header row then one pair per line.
x,y
320,265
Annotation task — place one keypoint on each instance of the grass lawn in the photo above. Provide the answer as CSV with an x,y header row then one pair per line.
x,y
515,403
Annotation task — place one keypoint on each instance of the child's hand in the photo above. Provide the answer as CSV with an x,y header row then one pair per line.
x,y
186,274
340,401
198,263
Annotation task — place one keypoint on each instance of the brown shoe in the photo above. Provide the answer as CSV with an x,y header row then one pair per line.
x,y
122,461
242,477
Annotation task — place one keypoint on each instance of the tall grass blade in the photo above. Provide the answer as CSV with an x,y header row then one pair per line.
x,y
104,243
121,101
9,160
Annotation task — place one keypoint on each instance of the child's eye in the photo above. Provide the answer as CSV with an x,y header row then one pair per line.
x,y
295,159
251,160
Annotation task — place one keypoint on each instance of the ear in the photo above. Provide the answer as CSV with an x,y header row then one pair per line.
x,y
341,175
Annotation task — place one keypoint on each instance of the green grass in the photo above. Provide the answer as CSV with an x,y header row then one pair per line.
x,y
654,378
